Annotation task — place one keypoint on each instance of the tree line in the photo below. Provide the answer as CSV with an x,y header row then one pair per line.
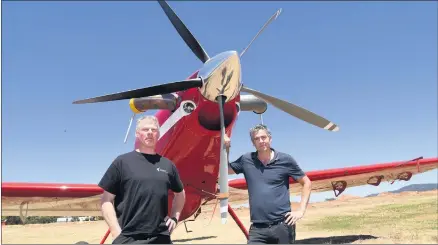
x,y
16,220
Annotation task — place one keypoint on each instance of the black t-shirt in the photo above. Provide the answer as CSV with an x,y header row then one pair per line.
x,y
141,183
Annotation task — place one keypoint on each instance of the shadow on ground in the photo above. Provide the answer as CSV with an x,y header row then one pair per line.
x,y
194,239
335,239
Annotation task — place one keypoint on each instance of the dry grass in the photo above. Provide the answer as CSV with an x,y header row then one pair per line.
x,y
395,218
407,220
417,216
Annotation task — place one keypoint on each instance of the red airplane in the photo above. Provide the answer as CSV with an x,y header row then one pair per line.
x,y
199,110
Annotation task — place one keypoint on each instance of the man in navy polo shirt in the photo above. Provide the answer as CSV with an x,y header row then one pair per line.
x,y
267,173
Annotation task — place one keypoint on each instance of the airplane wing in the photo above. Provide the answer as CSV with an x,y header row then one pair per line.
x,y
340,178
49,199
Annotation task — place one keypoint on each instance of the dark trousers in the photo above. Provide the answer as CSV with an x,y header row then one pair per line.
x,y
277,233
141,239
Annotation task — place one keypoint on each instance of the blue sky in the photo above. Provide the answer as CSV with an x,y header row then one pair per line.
x,y
371,67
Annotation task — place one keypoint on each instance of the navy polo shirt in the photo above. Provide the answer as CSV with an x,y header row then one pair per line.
x,y
268,186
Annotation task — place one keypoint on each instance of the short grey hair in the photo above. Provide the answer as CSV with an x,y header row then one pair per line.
x,y
148,118
258,127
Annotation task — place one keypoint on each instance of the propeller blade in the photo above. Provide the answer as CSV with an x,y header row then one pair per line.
x,y
294,110
148,91
273,17
185,34
223,167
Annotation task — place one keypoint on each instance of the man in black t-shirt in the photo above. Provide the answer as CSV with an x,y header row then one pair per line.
x,y
136,184
267,173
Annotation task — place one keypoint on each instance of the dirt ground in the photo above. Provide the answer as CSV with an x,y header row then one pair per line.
x,y
388,218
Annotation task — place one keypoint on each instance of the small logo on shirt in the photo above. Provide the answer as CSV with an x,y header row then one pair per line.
x,y
161,170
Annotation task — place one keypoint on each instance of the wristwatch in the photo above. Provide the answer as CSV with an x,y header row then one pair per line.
x,y
174,219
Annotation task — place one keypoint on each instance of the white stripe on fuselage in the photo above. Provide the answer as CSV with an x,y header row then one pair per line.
x,y
175,117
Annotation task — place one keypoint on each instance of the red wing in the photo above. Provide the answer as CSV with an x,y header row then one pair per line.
x,y
341,178
43,199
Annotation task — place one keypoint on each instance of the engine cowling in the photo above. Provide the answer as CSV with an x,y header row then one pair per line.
x,y
249,102
157,102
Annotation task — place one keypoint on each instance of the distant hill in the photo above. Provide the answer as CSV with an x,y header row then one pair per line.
x,y
413,187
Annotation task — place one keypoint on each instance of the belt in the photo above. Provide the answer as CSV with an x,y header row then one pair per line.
x,y
267,224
